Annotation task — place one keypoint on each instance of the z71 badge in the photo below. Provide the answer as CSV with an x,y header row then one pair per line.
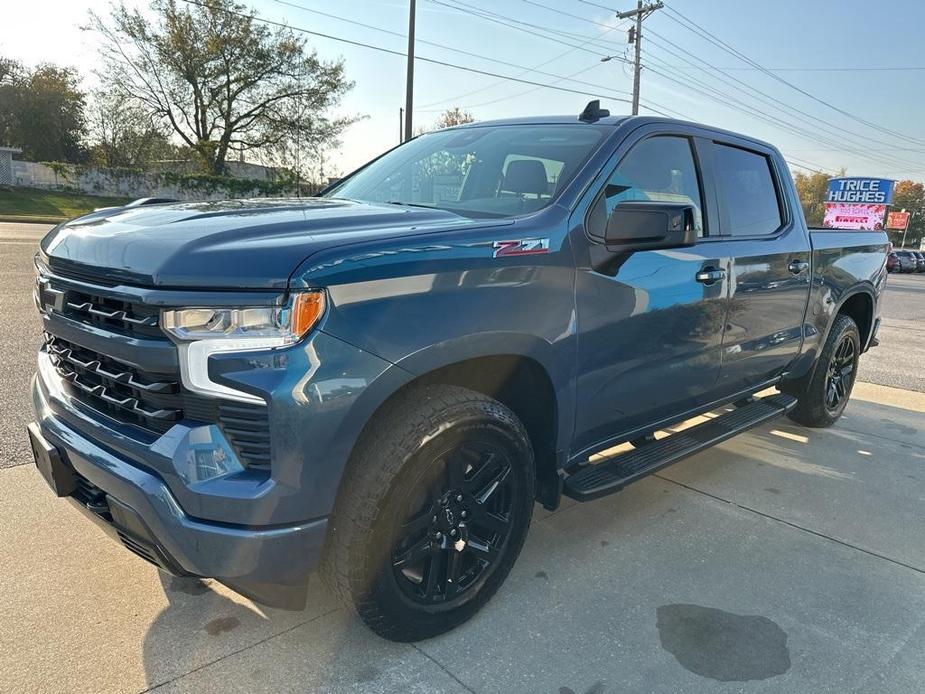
x,y
520,247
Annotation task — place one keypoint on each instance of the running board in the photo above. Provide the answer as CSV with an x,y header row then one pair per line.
x,y
601,479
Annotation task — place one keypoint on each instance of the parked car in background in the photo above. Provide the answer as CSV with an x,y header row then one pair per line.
x,y
919,261
893,263
908,262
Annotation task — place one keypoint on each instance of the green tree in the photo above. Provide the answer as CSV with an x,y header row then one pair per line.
x,y
811,189
222,81
910,196
42,111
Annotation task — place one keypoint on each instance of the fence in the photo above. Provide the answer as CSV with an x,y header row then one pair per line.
x,y
132,183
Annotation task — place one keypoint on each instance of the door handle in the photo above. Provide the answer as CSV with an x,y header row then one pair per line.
x,y
798,266
710,275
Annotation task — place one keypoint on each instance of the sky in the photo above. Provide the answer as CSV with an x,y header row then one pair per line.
x,y
833,99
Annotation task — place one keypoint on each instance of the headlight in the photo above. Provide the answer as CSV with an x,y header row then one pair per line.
x,y
202,332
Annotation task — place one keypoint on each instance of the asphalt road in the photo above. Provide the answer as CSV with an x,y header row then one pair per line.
x,y
20,336
899,361
784,560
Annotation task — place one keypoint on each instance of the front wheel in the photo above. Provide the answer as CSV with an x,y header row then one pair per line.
x,y
822,396
434,510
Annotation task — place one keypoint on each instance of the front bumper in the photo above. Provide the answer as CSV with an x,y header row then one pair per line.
x,y
142,508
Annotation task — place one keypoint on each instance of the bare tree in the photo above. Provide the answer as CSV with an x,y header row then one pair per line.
x,y
223,81
122,134
454,116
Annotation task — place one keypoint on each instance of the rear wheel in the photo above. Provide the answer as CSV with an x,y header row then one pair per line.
x,y
824,394
433,513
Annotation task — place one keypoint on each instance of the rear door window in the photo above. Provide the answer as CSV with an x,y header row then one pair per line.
x,y
748,191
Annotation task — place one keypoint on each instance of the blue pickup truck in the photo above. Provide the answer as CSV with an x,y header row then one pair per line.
x,y
378,383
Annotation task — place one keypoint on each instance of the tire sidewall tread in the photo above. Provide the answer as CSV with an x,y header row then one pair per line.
x,y
810,410
406,426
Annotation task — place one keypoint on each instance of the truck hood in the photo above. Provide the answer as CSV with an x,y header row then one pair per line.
x,y
253,244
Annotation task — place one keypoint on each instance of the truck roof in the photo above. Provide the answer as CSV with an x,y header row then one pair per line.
x,y
547,120
572,119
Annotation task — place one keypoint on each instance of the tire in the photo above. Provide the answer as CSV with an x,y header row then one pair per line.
x,y
832,378
429,448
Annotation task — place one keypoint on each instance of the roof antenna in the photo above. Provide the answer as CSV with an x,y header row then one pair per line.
x,y
593,112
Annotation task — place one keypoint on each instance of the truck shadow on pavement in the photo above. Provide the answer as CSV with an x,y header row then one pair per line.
x,y
210,639
591,581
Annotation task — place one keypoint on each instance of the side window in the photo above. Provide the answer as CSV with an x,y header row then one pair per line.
x,y
747,187
660,168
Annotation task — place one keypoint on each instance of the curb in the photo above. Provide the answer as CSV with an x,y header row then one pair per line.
x,y
31,219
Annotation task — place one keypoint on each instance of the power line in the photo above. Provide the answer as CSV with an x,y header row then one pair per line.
x,y
518,94
768,99
651,105
535,68
594,4
401,54
512,96
563,13
461,51
746,87
728,101
816,69
808,165
518,24
741,56
883,149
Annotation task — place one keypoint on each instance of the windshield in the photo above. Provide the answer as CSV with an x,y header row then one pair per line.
x,y
492,171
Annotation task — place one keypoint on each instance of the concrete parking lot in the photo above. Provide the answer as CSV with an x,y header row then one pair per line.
x,y
785,560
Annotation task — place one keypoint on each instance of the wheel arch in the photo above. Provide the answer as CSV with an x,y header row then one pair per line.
x,y
521,381
859,306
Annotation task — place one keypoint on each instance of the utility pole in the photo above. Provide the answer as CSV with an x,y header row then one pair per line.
x,y
401,125
409,81
635,37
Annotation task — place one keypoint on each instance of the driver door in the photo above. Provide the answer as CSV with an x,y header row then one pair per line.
x,y
650,323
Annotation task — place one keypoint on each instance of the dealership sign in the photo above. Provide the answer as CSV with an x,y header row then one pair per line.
x,y
841,215
857,203
898,220
860,190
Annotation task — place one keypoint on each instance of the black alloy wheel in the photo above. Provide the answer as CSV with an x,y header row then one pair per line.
x,y
823,393
840,374
451,542
433,511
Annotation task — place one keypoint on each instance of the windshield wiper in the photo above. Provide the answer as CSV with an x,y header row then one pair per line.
x,y
410,204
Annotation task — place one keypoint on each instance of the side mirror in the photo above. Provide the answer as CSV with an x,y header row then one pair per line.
x,y
646,225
